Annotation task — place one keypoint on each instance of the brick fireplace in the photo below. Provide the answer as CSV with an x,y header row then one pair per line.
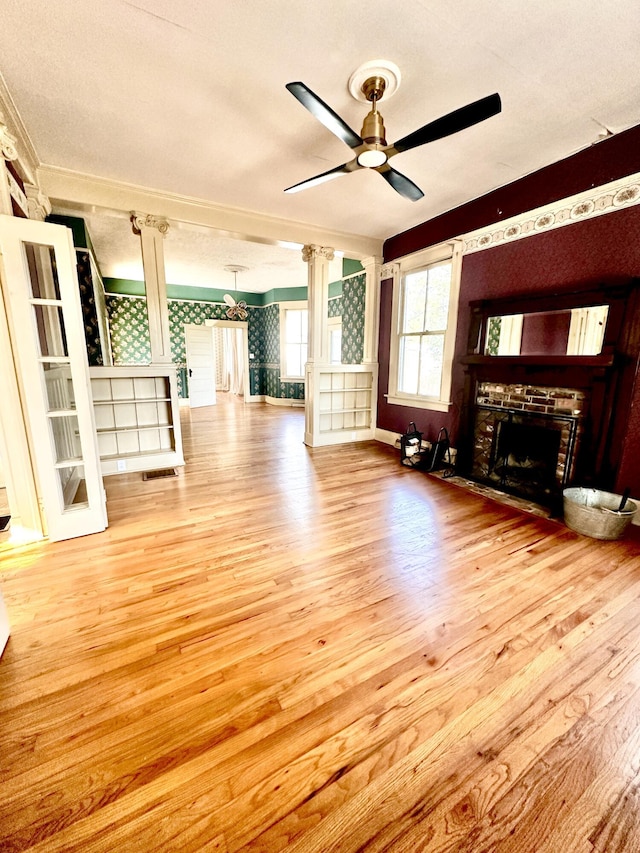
x,y
536,421
526,438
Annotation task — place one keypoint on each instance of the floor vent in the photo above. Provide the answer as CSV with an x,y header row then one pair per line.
x,y
161,472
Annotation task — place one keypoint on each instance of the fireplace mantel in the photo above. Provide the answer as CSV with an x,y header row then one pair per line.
x,y
607,379
588,362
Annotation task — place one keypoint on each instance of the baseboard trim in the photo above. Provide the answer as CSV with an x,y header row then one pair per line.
x,y
386,436
283,401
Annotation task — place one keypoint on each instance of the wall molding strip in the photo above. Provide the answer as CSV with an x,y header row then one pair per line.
x,y
597,201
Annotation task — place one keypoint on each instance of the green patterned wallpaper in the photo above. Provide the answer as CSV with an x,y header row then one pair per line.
x,y
353,291
130,335
89,309
335,307
129,329
273,387
493,335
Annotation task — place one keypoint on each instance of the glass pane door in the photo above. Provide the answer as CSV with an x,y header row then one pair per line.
x,y
48,338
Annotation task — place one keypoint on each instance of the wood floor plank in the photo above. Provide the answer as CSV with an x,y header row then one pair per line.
x,y
318,650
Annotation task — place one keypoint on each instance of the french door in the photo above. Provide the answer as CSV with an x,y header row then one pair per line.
x,y
47,338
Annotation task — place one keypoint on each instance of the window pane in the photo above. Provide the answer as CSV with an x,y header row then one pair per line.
x,y
438,298
296,326
415,294
431,360
66,439
409,365
42,271
73,487
51,334
292,327
59,385
296,358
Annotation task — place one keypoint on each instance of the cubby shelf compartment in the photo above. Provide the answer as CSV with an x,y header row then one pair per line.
x,y
345,403
137,418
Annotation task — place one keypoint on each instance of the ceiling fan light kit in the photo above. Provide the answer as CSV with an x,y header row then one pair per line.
x,y
369,83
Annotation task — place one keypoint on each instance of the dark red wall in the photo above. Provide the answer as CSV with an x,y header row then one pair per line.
x,y
604,248
607,161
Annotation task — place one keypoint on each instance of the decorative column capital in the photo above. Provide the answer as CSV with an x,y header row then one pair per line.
x,y
147,220
371,261
311,251
389,270
7,142
37,202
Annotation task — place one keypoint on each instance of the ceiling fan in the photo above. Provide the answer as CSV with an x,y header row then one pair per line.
x,y
236,310
370,147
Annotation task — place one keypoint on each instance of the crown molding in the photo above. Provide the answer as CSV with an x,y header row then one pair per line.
x,y
81,191
27,161
597,201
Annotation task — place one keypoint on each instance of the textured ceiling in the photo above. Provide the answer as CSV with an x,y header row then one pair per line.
x,y
190,97
198,257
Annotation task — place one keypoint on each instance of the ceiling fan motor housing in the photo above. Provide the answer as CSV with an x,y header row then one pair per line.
x,y
373,130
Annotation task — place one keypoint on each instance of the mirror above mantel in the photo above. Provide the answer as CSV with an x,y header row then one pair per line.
x,y
572,326
569,331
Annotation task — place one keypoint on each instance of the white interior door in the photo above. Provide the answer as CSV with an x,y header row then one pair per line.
x,y
47,334
201,365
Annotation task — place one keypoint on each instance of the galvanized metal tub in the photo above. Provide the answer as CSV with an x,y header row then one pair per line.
x,y
595,513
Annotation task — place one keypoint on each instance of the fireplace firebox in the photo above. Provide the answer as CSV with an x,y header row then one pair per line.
x,y
528,454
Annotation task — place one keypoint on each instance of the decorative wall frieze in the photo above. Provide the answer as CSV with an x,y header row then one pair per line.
x,y
311,251
38,203
587,205
147,220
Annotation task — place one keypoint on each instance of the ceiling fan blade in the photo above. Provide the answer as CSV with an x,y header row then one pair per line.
x,y
330,119
325,176
400,183
451,123
229,300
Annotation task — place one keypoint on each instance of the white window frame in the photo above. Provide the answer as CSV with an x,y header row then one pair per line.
x,y
412,263
284,307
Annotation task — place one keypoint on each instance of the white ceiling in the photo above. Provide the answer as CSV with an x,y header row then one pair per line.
x,y
196,256
189,98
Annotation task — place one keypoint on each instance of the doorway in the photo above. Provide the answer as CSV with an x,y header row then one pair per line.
x,y
231,343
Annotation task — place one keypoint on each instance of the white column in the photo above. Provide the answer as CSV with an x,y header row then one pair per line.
x,y
8,151
152,230
372,267
318,259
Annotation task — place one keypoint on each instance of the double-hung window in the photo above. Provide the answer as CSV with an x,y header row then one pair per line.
x,y
294,331
425,309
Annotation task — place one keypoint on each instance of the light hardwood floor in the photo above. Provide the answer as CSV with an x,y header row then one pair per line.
x,y
318,650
